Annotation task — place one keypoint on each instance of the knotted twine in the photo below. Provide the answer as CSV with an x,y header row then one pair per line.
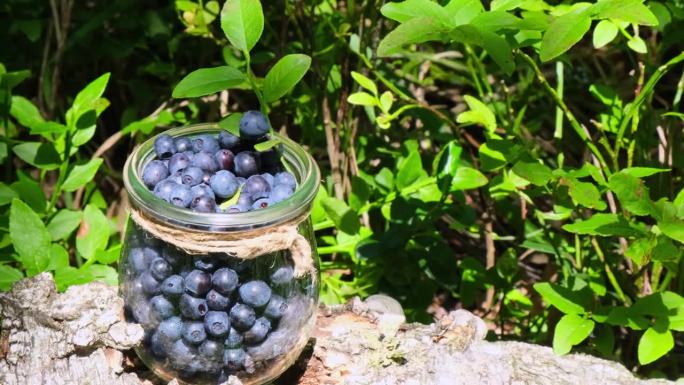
x,y
245,244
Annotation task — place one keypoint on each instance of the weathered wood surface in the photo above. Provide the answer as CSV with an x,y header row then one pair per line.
x,y
78,337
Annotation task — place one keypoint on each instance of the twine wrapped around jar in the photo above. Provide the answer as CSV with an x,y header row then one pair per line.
x,y
247,244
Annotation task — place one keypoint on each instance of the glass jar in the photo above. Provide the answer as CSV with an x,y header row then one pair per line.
x,y
189,303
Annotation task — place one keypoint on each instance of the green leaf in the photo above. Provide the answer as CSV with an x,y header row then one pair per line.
x,y
110,255
668,221
495,45
64,223
41,155
93,234
362,99
231,123
604,225
642,172
637,44
59,257
564,32
25,112
68,276
386,101
564,299
344,218
468,178
604,32
479,113
207,81
6,194
409,170
243,22
631,11
364,81
496,21
87,98
103,273
654,344
31,193
267,145
8,276
535,172
446,164
463,11
81,174
284,75
30,238
418,30
632,193
411,9
585,194
570,331
491,159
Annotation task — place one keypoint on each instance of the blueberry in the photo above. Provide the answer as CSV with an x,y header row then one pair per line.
x,y
191,307
190,154
238,209
154,172
185,270
242,317
203,204
162,308
207,264
276,307
136,260
179,161
141,313
183,144
202,190
133,288
234,359
172,287
246,164
205,161
241,181
170,329
280,193
192,176
206,143
216,301
194,333
150,285
156,346
164,146
173,256
160,269
286,178
224,184
197,282
270,158
282,275
234,339
217,323
181,354
150,253
211,350
176,177
255,293
180,196
245,199
224,280
258,331
224,158
269,178
228,140
253,125
262,203
164,188
257,186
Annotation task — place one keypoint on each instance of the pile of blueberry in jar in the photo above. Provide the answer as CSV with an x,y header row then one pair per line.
x,y
219,174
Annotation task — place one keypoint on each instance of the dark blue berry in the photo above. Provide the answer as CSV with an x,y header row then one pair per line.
x,y
154,172
257,186
141,313
258,331
150,285
282,275
164,188
197,282
224,184
224,280
224,158
176,177
276,307
242,317
246,164
136,260
203,204
269,178
151,253
202,190
183,144
180,196
162,308
206,143
194,333
245,199
205,161
216,301
211,350
217,323
286,178
193,308
253,125
234,339
181,354
262,203
255,293
164,146
204,263
280,192
192,176
156,346
234,359
172,287
170,330
178,162
160,269
228,140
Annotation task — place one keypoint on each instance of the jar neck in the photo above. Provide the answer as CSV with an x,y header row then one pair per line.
x,y
294,158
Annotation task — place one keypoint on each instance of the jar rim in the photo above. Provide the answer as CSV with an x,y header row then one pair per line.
x,y
295,159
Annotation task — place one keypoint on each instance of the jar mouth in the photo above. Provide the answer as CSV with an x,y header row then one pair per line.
x,y
294,158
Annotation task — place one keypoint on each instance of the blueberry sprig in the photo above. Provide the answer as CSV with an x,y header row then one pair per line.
x,y
224,174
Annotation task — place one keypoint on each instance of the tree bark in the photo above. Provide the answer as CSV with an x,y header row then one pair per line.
x,y
79,337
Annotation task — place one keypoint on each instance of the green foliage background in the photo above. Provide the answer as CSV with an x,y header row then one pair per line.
x,y
518,158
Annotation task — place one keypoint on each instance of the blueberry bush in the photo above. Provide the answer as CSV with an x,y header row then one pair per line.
x,y
517,158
